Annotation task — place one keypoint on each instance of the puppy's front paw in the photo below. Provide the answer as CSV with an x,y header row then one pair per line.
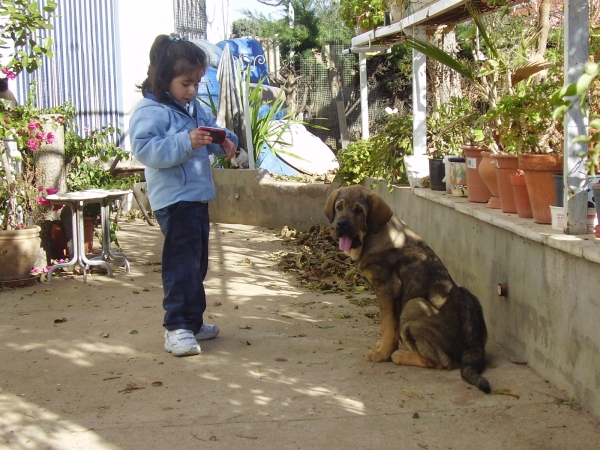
x,y
376,356
398,357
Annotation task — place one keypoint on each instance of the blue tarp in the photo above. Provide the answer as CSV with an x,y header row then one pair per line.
x,y
269,160
249,49
251,53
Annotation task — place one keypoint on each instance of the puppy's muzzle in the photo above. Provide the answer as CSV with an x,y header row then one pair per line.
x,y
343,227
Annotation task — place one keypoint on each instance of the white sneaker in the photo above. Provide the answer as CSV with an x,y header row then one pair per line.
x,y
207,331
181,343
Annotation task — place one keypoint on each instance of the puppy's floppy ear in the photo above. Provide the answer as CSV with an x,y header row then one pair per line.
x,y
330,205
379,213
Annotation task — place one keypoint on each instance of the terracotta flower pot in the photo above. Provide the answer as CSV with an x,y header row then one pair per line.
x,y
506,165
88,234
521,196
477,190
487,171
59,242
18,251
540,183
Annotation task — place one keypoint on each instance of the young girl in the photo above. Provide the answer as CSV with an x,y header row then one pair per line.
x,y
165,138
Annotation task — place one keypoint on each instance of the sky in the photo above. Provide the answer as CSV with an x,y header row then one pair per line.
x,y
252,5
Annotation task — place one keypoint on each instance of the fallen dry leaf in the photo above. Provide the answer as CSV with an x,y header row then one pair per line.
x,y
157,383
244,262
506,392
281,359
411,394
318,263
60,320
216,304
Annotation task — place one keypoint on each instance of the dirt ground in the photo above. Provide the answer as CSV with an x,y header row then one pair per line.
x,y
83,367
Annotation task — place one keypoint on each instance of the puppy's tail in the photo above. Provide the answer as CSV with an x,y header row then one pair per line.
x,y
471,365
472,360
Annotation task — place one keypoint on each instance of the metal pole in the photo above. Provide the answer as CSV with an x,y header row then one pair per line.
x,y
575,124
364,95
419,69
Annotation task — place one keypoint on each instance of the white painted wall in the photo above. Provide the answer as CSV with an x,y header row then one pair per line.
x,y
218,20
139,22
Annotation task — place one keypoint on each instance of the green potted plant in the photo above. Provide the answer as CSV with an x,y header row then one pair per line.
x,y
19,235
382,157
447,128
577,93
525,127
21,211
490,76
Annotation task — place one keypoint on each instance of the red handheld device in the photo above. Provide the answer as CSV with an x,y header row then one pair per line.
x,y
217,134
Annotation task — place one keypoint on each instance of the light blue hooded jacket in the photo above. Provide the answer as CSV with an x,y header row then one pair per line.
x,y
159,135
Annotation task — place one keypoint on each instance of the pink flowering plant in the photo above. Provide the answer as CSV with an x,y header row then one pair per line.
x,y
43,201
24,130
25,43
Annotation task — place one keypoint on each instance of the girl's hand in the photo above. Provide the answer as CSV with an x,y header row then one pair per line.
x,y
229,148
200,138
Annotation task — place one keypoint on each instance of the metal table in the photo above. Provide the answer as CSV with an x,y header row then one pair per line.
x,y
109,197
76,201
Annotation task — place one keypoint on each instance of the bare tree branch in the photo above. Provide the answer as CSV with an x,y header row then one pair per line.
x,y
271,2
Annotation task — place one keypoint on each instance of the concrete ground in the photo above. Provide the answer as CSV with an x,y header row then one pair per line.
x,y
83,367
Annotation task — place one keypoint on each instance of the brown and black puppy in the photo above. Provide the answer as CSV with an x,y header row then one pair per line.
x,y
440,323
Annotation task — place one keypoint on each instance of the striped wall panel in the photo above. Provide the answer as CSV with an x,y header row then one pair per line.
x,y
83,69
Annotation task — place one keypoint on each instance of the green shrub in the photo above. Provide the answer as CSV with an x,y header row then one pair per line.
x,y
381,157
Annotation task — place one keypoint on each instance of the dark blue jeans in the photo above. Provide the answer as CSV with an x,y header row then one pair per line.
x,y
185,226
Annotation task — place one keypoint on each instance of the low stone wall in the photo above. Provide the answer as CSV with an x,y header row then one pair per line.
x,y
549,317
252,197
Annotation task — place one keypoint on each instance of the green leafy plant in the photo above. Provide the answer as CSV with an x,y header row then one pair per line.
x,y
524,121
21,19
356,163
86,158
491,76
366,14
25,128
23,50
381,157
269,122
576,93
449,127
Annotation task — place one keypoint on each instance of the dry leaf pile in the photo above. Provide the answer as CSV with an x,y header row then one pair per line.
x,y
317,262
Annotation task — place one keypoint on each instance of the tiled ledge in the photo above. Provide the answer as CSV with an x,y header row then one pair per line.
x,y
584,246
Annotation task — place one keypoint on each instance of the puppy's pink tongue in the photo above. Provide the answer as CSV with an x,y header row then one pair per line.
x,y
345,243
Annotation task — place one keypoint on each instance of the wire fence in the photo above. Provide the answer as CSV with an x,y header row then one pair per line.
x,y
190,18
329,77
